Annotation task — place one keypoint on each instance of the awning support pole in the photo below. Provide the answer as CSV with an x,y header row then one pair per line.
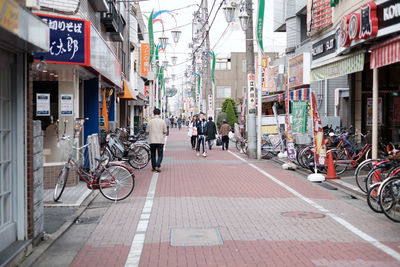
x,y
375,95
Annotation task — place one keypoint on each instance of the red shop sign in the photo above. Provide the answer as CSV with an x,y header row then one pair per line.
x,y
360,24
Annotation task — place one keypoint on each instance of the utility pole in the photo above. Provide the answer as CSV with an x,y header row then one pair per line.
x,y
251,113
206,86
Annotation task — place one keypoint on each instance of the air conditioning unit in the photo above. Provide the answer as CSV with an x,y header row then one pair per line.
x,y
33,4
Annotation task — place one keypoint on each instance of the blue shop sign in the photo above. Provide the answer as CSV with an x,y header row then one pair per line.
x,y
69,40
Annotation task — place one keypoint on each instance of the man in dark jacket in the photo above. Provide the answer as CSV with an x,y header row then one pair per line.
x,y
211,132
201,126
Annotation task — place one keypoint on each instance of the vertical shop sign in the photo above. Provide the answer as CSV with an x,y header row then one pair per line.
x,y
9,18
66,104
42,104
319,138
264,79
291,152
144,59
251,93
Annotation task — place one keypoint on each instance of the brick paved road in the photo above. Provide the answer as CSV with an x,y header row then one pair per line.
x,y
247,208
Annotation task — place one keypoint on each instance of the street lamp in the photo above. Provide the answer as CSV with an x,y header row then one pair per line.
x,y
176,35
229,12
163,42
244,20
165,63
174,59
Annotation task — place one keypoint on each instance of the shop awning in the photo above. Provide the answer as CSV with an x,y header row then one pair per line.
x,y
343,66
385,53
128,94
295,95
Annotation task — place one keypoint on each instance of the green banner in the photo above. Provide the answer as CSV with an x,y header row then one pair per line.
x,y
260,23
299,116
198,83
151,36
213,68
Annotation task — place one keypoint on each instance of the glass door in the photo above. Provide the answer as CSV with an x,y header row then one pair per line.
x,y
7,221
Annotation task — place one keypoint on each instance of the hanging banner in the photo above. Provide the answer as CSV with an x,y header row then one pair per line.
x,y
42,104
243,109
260,23
319,138
213,68
67,105
299,115
151,37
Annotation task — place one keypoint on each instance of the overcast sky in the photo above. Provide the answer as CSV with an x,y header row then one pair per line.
x,y
233,40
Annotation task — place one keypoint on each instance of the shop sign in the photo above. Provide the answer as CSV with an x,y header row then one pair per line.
x,y
299,115
252,93
319,15
67,105
69,40
146,90
264,70
388,14
291,151
9,18
369,111
361,24
144,59
42,104
324,47
299,70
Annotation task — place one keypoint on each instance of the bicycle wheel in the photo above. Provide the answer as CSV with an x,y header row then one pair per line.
x,y
389,198
116,182
138,157
378,174
373,198
340,159
61,182
361,173
107,156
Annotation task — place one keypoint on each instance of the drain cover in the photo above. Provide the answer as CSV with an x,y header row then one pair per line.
x,y
195,237
303,214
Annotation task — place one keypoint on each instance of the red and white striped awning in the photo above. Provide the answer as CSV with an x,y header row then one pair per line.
x,y
385,53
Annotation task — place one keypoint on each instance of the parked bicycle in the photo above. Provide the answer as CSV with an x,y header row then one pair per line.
x,y
133,149
115,181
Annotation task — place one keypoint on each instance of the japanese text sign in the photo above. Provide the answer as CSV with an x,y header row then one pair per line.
x,y
144,59
69,40
251,93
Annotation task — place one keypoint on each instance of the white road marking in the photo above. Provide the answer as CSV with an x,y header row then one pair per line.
x,y
138,240
343,222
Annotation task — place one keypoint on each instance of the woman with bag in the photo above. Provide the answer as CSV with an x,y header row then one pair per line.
x,y
192,132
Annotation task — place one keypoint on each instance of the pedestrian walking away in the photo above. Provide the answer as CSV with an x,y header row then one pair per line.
x,y
156,130
172,121
211,132
192,132
201,126
180,121
168,124
224,132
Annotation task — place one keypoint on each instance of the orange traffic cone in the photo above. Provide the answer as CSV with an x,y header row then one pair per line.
x,y
331,174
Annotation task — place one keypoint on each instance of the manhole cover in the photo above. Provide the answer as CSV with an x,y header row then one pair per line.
x,y
303,214
195,237
87,220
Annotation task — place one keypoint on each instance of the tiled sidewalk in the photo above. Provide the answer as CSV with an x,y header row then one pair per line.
x,y
246,207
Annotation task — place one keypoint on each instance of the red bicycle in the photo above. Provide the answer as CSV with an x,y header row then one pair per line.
x,y
115,181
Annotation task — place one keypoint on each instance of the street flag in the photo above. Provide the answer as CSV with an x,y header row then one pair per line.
x,y
319,138
151,36
260,23
213,67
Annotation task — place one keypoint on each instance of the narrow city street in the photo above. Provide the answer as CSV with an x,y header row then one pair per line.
x,y
224,210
